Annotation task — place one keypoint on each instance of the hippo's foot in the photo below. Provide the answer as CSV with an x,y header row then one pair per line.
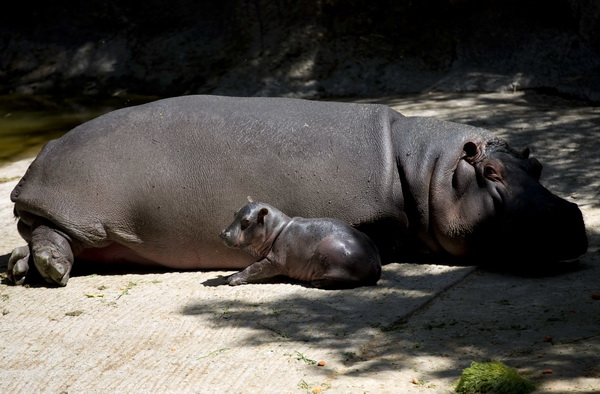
x,y
263,269
18,265
237,279
52,255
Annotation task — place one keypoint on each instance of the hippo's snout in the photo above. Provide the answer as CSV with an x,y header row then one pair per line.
x,y
553,233
576,236
559,233
227,238
225,235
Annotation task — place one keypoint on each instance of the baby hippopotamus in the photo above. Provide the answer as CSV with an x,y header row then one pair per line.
x,y
328,253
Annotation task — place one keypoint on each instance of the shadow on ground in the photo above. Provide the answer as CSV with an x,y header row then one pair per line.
x,y
549,322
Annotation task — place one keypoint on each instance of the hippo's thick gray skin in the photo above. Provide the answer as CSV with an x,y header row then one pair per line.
x,y
156,183
328,253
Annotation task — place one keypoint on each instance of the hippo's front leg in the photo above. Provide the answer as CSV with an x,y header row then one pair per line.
x,y
262,269
52,254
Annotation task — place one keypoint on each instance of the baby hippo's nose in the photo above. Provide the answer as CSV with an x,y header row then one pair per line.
x,y
224,234
227,238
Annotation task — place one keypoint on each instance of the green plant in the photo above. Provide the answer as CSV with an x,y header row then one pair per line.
x,y
302,357
493,377
129,286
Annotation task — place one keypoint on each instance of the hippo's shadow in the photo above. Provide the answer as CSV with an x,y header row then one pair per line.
x,y
34,279
530,268
221,280
536,269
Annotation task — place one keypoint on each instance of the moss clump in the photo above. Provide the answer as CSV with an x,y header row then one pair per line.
x,y
494,377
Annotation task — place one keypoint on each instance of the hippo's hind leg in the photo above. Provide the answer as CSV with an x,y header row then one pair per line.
x,y
347,264
52,253
333,282
263,269
18,265
342,280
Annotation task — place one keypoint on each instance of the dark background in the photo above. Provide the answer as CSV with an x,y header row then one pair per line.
x,y
309,48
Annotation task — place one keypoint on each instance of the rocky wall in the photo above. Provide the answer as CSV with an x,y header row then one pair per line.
x,y
312,48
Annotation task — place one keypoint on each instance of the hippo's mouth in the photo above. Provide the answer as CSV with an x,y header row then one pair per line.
x,y
571,260
227,240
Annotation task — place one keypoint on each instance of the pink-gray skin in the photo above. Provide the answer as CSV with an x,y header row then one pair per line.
x,y
328,253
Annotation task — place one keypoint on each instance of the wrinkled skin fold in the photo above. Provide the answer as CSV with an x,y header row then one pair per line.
x,y
155,184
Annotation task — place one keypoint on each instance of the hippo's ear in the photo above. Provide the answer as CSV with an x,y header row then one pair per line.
x,y
535,168
472,152
261,215
525,152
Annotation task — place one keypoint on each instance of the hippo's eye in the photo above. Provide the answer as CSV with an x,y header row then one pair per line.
x,y
245,223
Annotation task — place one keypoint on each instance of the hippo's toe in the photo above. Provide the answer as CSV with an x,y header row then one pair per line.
x,y
18,265
52,254
53,267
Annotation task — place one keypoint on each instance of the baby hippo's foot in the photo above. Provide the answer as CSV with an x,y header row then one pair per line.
x,y
237,279
260,270
18,265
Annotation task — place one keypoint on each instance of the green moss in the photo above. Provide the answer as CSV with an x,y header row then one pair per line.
x,y
493,377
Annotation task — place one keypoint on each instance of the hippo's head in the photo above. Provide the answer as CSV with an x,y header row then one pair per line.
x,y
242,232
499,212
254,228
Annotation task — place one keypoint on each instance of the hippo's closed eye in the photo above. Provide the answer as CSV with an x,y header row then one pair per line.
x,y
244,223
493,171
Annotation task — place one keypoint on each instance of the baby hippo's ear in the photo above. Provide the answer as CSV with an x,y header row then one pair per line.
x,y
261,215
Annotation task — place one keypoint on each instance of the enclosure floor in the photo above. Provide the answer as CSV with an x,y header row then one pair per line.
x,y
413,332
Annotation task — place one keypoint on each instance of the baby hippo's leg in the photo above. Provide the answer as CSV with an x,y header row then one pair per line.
x,y
346,279
347,262
262,269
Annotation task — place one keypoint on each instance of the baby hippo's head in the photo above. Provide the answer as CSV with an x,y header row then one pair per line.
x,y
254,228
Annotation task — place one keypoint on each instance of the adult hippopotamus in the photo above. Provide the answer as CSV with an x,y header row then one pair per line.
x,y
156,183
328,253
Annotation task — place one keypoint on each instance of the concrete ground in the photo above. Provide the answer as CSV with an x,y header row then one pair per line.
x,y
125,332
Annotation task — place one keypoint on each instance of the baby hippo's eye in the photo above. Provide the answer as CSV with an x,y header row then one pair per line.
x,y
245,223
